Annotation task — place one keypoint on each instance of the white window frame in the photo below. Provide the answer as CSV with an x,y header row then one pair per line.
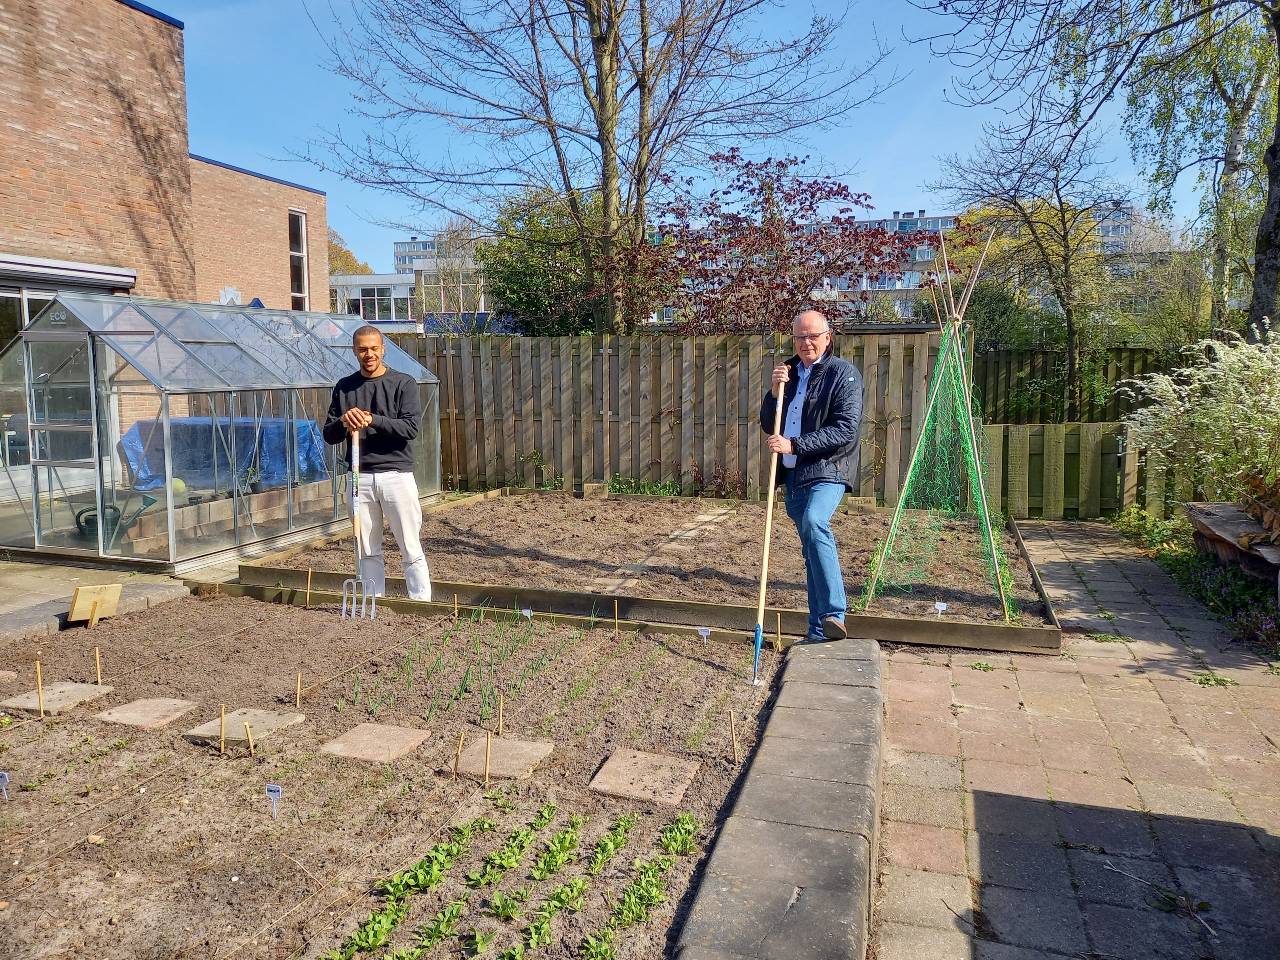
x,y
306,263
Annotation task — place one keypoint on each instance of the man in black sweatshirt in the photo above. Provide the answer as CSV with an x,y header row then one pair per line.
x,y
383,406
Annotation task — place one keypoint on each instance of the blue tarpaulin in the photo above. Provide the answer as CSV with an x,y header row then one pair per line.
x,y
202,450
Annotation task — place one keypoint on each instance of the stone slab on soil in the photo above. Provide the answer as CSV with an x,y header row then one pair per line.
x,y
791,875
149,714
376,742
263,722
508,759
58,697
644,776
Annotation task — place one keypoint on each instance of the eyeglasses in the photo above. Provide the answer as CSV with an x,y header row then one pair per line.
x,y
802,337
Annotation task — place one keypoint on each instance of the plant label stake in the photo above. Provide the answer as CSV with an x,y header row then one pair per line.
x,y
457,757
97,662
940,607
274,792
4,785
768,535
777,642
297,695
527,613
615,619
500,714
733,736
358,601
704,632
306,602
248,735
222,731
39,689
455,608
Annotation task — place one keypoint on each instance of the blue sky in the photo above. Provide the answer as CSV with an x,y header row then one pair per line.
x,y
258,88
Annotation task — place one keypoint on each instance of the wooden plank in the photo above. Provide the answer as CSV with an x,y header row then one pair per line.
x,y
1055,466
586,407
1156,477
757,380
646,421
474,452
920,345
993,469
687,384
871,414
525,398
566,434
1090,471
1128,472
893,419
546,389
1016,469
669,425
626,423
734,458
508,383
492,429
602,368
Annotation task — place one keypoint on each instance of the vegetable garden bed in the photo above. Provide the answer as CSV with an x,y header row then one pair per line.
x,y
127,843
692,562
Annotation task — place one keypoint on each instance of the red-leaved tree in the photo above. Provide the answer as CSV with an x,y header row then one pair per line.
x,y
754,252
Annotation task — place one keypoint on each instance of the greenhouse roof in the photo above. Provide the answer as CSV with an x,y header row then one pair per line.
x,y
197,347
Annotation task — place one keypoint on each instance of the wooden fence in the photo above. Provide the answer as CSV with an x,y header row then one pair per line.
x,y
1028,386
538,411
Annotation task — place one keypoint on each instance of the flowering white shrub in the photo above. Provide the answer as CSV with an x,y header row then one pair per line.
x,y
1216,420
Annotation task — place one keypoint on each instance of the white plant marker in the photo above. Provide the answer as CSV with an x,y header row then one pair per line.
x,y
4,785
704,632
274,792
940,607
527,613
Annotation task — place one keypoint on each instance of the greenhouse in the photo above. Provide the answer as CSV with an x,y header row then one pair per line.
x,y
156,431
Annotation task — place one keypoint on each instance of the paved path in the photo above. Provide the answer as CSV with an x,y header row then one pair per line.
x,y
1050,806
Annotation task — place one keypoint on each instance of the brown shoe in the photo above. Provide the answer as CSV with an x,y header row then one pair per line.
x,y
833,628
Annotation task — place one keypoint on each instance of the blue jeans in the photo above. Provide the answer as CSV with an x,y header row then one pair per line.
x,y
810,508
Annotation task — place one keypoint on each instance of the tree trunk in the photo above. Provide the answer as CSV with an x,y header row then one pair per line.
x,y
1266,248
1073,366
1228,189
605,48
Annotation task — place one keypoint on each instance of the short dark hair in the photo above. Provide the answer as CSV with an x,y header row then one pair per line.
x,y
364,331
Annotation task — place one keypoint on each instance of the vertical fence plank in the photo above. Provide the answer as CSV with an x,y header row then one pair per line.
x,y
474,450
668,426
1128,471
646,421
525,397
1090,470
893,419
565,433
623,448
606,385
920,366
757,383
686,455
1157,477
491,428
1016,471
870,456
732,428
993,468
507,404
547,445
1055,467
586,405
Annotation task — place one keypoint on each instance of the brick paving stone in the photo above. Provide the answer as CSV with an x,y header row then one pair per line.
x,y
917,691
986,950
917,846
1114,832
1172,764
917,672
1082,647
1133,712
1099,759
995,746
920,711
1266,698
1009,778
921,769
1236,899
1241,745
1060,705
1185,691
1053,730
1218,846
1029,919
1009,861
901,941
1109,878
1178,801
1042,663
1267,721
1142,934
966,660
938,738
1084,788
1040,682
991,696
1248,943
1153,736
1023,817
938,808
923,899
1128,687
1258,811
981,720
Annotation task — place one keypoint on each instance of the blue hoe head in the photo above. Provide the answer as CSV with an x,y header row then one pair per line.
x,y
755,663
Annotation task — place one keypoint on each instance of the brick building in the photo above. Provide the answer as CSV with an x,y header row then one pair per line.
x,y
99,190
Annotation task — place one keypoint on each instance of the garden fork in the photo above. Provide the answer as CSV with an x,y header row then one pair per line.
x,y
357,600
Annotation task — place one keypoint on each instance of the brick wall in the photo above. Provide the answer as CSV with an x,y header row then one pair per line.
x,y
93,141
242,236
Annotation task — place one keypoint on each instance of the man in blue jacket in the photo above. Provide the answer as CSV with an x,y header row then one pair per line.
x,y
821,423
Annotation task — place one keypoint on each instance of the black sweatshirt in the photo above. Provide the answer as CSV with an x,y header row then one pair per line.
x,y
393,401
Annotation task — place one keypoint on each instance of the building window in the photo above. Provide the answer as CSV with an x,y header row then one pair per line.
x,y
298,260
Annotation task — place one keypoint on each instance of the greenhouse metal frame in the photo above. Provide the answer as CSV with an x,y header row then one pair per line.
x,y
166,433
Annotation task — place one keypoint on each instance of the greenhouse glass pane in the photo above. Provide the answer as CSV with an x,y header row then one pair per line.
x,y
100,314
261,340
185,324
165,363
237,366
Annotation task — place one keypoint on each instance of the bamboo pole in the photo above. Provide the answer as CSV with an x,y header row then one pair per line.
x,y
777,640
297,695
488,750
248,735
39,690
306,603
457,756
222,730
97,663
733,735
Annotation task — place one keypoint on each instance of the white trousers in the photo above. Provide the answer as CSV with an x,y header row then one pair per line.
x,y
393,495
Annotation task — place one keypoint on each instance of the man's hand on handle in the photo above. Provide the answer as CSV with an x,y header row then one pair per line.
x,y
356,419
777,443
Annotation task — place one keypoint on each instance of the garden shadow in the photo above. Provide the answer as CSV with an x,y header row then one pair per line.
x,y
1089,881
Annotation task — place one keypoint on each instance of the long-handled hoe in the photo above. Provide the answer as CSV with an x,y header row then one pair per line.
x,y
358,601
768,537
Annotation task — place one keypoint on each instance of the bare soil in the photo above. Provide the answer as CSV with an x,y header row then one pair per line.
x,y
127,844
556,541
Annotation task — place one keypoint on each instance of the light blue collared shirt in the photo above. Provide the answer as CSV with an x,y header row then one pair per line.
x,y
791,423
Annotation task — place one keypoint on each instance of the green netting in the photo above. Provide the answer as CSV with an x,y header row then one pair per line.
x,y
943,488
